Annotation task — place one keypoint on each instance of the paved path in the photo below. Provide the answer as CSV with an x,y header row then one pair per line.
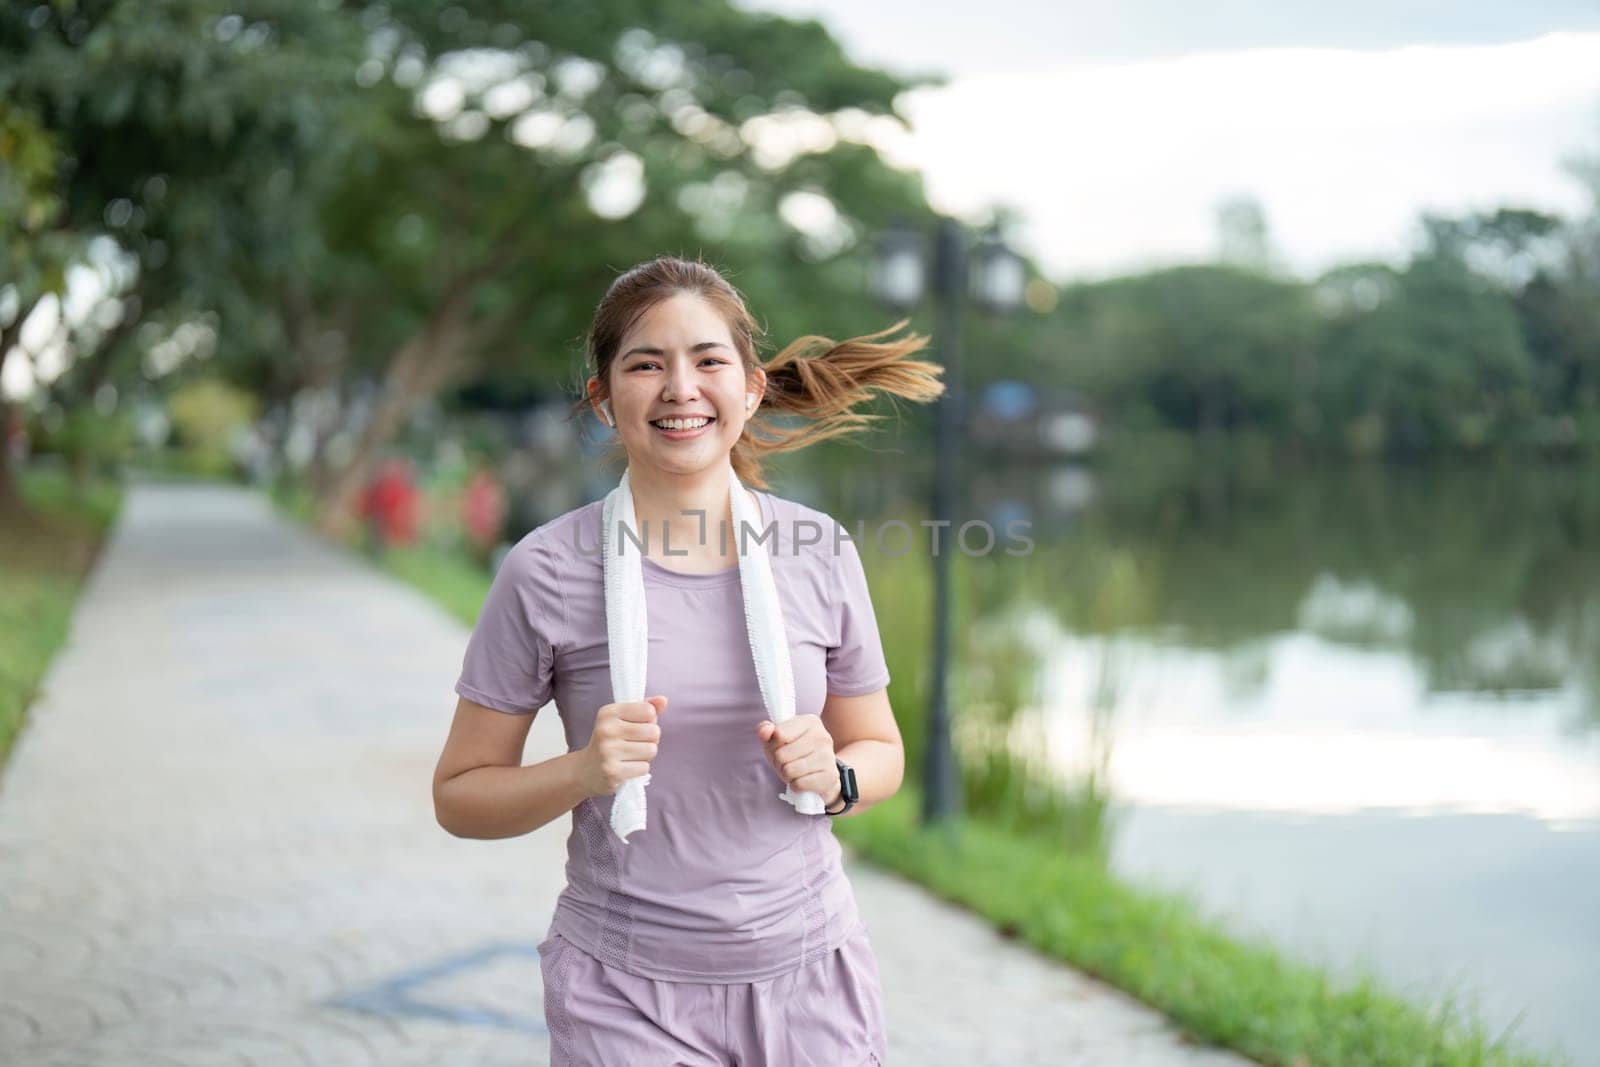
x,y
217,841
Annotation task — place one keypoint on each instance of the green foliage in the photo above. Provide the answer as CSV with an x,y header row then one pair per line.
x,y
282,173
1478,342
1203,349
92,443
206,415
906,631
1438,362
1005,776
32,257
178,124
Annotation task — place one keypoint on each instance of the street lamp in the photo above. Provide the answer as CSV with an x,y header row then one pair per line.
x,y
897,272
997,277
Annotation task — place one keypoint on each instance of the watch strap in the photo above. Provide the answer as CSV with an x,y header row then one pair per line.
x,y
848,791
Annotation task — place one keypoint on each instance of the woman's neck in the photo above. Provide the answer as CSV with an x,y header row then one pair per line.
x,y
689,508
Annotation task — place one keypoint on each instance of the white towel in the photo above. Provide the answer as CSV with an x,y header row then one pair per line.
x,y
628,631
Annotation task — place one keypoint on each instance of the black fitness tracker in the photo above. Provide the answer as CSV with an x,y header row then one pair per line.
x,y
847,788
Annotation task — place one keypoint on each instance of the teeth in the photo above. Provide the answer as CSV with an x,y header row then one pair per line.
x,y
681,424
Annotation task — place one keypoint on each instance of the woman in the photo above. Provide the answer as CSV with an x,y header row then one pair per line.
x,y
706,917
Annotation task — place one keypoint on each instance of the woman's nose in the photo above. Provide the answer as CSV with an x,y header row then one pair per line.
x,y
680,384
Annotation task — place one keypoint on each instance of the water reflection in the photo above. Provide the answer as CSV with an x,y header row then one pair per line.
x,y
1487,581
1354,711
1309,726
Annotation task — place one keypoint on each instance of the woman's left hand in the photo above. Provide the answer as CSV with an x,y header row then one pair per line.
x,y
801,751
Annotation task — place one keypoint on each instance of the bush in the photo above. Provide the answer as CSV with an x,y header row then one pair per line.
x,y
207,415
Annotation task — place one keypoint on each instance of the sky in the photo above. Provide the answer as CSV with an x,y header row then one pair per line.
x,y
1115,130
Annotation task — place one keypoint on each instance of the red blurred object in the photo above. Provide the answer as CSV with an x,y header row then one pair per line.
x,y
389,503
483,510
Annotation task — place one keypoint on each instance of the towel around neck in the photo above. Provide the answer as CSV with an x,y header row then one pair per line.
x,y
628,633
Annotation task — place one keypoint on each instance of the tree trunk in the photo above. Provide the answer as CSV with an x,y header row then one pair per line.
x,y
82,380
318,345
418,370
10,500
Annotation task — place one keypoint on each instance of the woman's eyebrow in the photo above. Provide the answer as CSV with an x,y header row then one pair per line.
x,y
650,350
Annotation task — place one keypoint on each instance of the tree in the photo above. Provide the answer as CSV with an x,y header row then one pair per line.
x,y
1201,348
468,224
1242,236
180,130
1438,361
33,254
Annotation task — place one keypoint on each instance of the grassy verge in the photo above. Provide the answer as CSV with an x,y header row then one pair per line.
x,y
45,552
1160,948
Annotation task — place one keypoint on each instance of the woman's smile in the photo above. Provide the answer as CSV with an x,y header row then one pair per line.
x,y
682,429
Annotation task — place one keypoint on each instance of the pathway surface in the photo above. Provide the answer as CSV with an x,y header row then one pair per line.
x,y
217,841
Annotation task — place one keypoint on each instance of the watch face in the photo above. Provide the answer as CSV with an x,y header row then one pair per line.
x,y
847,782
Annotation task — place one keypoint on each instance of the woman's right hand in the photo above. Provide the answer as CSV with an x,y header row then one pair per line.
x,y
624,741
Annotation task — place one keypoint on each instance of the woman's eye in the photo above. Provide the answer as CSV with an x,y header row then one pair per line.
x,y
651,363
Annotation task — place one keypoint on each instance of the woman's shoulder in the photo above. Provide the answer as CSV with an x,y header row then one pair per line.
x,y
788,509
809,532
559,540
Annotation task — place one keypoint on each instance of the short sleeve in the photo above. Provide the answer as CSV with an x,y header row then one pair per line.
x,y
856,664
510,660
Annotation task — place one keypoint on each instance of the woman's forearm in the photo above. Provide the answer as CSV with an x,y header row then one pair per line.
x,y
879,767
496,802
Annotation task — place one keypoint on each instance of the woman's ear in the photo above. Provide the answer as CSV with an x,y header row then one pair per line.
x,y
602,407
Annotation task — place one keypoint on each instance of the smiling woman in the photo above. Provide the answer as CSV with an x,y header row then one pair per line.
x,y
671,328
716,921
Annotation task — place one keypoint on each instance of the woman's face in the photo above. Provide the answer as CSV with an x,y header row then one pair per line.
x,y
678,362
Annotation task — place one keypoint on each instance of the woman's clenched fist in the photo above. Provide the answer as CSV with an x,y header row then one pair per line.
x,y
625,739
801,751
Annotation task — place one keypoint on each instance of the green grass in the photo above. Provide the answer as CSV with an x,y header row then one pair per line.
x,y
1160,948
45,552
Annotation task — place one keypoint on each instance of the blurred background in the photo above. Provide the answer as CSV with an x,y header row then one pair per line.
x,y
1281,330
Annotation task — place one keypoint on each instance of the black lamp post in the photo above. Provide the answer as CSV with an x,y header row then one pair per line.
x,y
997,279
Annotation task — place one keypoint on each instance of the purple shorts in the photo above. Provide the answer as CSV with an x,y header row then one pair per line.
x,y
828,1012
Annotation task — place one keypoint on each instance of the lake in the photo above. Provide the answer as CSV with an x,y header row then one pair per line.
x,y
1354,711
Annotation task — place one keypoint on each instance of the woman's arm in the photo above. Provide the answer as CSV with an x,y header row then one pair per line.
x,y
866,737
480,789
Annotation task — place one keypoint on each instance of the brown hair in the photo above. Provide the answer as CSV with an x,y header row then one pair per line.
x,y
814,377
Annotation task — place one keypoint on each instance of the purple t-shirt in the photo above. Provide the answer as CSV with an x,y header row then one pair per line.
x,y
727,882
